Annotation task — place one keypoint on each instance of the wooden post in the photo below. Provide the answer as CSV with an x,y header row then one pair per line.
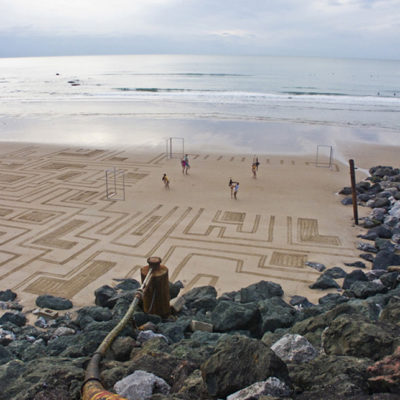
x,y
353,191
156,296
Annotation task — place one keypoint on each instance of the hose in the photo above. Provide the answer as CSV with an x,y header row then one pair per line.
x,y
92,388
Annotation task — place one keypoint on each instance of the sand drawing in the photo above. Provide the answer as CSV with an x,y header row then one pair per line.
x,y
59,235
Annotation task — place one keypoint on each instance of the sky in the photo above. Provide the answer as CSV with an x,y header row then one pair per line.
x,y
316,28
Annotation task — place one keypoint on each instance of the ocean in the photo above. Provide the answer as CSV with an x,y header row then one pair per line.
x,y
216,103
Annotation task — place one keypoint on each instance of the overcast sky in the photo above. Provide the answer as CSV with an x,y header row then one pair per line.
x,y
337,28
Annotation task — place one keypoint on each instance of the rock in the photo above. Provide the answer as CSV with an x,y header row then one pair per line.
x,y
318,266
63,331
294,348
346,191
349,335
382,232
391,312
7,295
271,387
362,290
6,337
384,259
200,326
354,276
300,302
324,282
16,318
203,297
275,314
229,316
174,289
127,284
122,347
357,264
347,201
366,247
87,315
53,302
378,202
331,378
141,385
224,375
103,295
390,279
384,244
331,300
367,257
335,273
174,331
144,336
177,304
5,355
384,375
260,291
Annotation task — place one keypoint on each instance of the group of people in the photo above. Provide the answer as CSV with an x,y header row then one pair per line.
x,y
234,186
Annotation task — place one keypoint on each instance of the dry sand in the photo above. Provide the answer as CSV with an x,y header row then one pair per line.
x,y
60,235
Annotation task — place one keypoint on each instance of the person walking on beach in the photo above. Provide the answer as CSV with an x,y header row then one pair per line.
x,y
166,181
254,170
187,166
231,185
183,163
235,190
255,161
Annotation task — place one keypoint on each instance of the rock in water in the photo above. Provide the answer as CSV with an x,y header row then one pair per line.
x,y
223,374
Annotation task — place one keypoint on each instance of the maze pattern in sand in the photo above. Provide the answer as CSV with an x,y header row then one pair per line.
x,y
73,240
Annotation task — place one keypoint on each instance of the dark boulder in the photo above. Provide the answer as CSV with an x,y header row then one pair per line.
x,y
317,266
5,355
330,378
347,201
7,295
53,302
331,300
103,296
201,298
174,289
300,301
229,316
335,273
349,335
382,231
379,202
366,247
127,284
367,257
385,259
390,279
346,191
18,318
260,291
356,264
362,290
275,314
354,276
325,282
391,312
384,244
223,374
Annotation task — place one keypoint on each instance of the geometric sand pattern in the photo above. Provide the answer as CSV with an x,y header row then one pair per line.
x,y
73,239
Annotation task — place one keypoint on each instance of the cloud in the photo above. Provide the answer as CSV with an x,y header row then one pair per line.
x,y
255,26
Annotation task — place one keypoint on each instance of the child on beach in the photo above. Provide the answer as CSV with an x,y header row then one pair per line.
x,y
187,166
254,170
235,190
166,181
183,163
231,184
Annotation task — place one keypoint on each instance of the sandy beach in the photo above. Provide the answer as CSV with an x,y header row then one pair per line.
x,y
60,234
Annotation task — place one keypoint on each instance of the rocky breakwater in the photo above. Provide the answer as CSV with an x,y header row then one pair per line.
x,y
246,344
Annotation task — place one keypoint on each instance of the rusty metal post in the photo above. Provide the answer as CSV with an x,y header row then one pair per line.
x,y
156,298
353,191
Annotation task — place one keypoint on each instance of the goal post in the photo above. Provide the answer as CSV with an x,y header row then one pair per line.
x,y
175,147
324,157
115,184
